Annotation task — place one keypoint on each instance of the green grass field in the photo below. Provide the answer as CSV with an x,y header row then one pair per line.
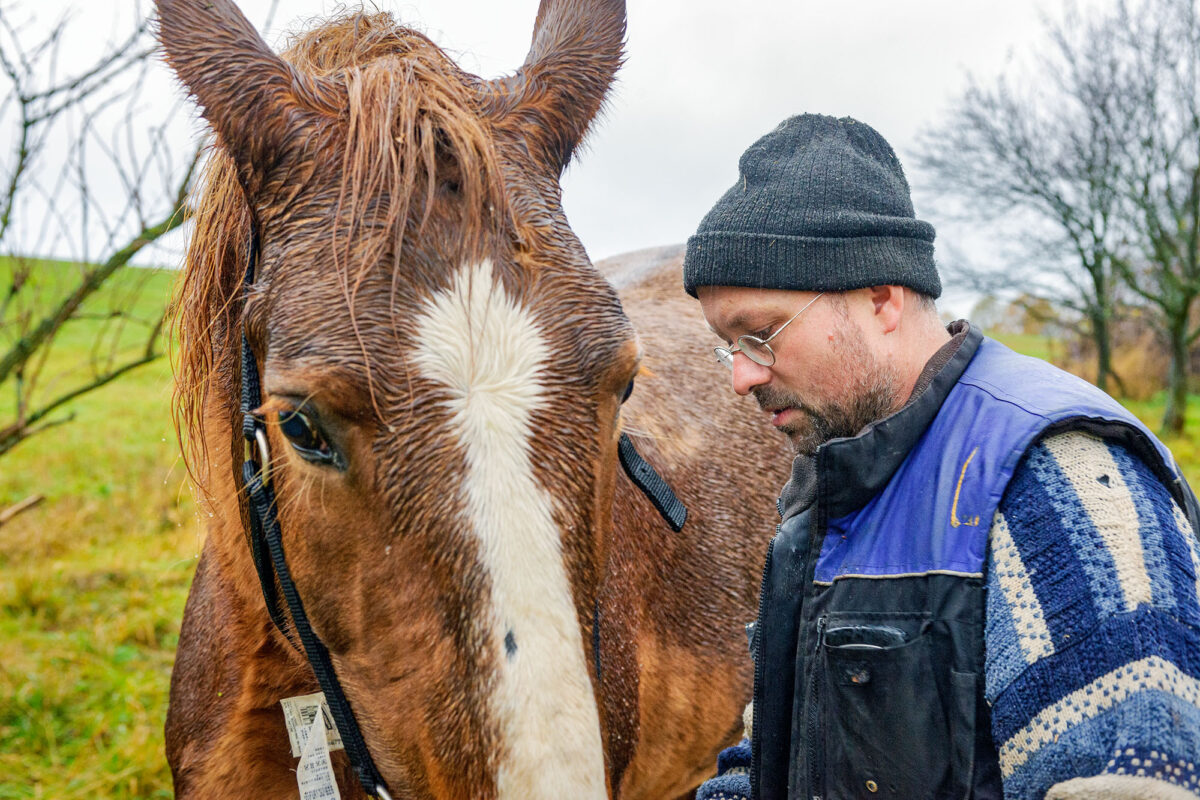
x,y
93,581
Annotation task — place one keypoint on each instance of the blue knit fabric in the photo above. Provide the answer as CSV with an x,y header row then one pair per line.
x,y
1093,623
1093,629
733,775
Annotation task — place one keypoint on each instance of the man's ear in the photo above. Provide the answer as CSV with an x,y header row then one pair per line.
x,y
888,305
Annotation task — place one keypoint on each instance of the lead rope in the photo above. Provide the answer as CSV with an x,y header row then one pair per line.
x,y
266,548
264,524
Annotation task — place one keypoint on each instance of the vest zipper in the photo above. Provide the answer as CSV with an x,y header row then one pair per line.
x,y
814,772
756,731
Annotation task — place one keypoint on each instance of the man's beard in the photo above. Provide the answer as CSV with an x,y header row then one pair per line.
x,y
871,396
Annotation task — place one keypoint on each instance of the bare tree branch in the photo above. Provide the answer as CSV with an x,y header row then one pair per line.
x,y
94,279
10,513
23,429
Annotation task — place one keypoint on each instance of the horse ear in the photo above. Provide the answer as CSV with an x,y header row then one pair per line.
x,y
253,99
553,97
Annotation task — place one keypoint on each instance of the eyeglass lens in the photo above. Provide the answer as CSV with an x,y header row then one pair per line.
x,y
757,350
754,348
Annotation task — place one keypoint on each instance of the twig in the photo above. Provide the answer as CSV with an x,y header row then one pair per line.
x,y
7,514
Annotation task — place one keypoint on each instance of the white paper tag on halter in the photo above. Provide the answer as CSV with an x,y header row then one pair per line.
x,y
315,771
299,713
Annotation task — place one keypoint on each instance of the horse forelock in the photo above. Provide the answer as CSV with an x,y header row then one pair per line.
x,y
409,112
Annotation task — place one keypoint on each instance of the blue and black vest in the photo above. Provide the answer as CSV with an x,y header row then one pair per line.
x,y
869,648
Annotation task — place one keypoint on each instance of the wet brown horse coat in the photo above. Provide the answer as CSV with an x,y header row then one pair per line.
x,y
451,504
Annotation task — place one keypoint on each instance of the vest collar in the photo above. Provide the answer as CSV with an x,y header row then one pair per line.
x,y
865,463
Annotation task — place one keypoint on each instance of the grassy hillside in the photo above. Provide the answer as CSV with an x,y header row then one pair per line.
x,y
93,581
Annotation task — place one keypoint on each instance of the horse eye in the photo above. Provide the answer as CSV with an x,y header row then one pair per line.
x,y
628,392
304,436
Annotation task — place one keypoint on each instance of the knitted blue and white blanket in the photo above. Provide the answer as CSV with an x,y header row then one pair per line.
x,y
1093,633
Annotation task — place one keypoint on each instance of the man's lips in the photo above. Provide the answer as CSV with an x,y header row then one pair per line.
x,y
780,416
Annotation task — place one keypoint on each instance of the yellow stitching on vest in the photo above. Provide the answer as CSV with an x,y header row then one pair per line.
x,y
954,520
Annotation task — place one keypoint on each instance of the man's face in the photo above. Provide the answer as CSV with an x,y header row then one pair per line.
x,y
828,380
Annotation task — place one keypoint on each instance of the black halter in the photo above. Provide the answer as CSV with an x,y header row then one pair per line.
x,y
266,547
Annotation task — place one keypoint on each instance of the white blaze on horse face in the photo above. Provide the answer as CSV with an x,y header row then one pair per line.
x,y
489,353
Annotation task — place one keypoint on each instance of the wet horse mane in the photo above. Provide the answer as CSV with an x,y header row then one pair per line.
x,y
410,111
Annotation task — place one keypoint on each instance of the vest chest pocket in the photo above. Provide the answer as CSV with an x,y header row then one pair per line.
x,y
898,721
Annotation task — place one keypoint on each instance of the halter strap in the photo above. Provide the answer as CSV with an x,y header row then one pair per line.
x,y
266,539
266,549
646,478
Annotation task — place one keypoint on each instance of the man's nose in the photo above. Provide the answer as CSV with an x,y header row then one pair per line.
x,y
747,374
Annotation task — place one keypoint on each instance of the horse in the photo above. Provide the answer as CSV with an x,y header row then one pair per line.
x,y
444,381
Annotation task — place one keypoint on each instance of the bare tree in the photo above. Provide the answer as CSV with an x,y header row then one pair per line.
x,y
1043,158
1160,260
61,126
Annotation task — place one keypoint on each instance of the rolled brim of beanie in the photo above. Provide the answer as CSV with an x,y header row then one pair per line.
x,y
814,264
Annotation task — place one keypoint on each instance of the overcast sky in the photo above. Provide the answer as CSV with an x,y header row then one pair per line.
x,y
703,80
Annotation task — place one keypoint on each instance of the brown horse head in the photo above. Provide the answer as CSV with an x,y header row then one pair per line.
x,y
442,371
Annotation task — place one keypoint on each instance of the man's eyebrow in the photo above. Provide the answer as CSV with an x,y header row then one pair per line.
x,y
743,321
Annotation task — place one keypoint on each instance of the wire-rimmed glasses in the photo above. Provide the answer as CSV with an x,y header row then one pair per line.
x,y
756,349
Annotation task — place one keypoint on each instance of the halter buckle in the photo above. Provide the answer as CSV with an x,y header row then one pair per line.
x,y
264,455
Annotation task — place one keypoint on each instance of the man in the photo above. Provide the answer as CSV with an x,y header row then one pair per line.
x,y
984,583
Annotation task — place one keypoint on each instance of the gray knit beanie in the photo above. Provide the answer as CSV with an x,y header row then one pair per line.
x,y
821,204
